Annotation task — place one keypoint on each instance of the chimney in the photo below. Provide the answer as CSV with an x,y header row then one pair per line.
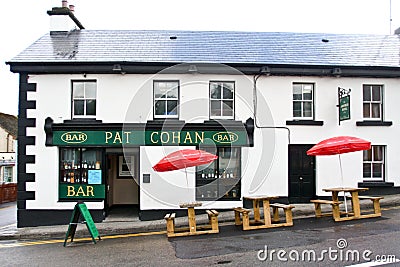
x,y
62,19
397,31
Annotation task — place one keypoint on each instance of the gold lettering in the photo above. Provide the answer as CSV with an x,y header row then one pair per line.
x,y
176,135
162,139
68,137
127,136
232,137
81,137
70,191
117,138
188,137
199,138
108,136
80,191
151,137
89,191
219,137
225,137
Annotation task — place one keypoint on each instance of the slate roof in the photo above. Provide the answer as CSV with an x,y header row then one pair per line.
x,y
9,123
215,47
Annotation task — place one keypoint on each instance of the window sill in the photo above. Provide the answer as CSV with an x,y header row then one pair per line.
x,y
374,123
375,184
82,121
305,122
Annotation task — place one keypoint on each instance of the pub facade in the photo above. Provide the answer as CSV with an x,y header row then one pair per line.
x,y
98,109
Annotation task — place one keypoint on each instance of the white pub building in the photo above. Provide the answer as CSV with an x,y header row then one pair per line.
x,y
99,108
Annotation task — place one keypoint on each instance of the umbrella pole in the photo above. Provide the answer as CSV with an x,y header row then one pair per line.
x,y
344,193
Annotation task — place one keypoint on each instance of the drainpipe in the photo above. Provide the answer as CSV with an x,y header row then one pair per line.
x,y
267,72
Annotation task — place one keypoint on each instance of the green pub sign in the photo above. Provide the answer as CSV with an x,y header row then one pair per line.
x,y
148,138
344,108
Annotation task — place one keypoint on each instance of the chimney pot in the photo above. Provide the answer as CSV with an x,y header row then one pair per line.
x,y
72,8
64,3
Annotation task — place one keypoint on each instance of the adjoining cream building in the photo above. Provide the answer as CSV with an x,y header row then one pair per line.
x,y
99,108
8,143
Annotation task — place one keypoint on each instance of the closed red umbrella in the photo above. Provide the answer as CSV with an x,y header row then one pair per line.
x,y
182,159
339,145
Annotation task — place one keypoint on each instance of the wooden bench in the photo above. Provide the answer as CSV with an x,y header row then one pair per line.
x,y
170,218
335,208
375,202
245,217
213,219
288,213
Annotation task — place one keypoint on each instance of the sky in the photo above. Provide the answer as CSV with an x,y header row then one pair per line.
x,y
24,21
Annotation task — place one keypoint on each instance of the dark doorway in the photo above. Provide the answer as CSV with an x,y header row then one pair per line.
x,y
301,174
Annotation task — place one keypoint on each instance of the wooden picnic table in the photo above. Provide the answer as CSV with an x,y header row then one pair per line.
x,y
193,229
265,222
355,203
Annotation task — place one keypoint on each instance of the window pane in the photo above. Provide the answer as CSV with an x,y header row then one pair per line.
x,y
173,93
367,155
376,110
376,170
228,91
296,109
90,107
367,170
227,108
376,93
366,111
160,108
366,93
215,108
79,107
90,90
297,93
172,107
159,93
307,92
307,109
378,153
78,90
215,90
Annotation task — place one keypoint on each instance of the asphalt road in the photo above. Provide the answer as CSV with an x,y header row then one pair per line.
x,y
310,242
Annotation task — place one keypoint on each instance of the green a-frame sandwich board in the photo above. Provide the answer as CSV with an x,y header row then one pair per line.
x,y
81,209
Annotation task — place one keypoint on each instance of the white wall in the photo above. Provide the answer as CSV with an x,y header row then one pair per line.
x,y
265,166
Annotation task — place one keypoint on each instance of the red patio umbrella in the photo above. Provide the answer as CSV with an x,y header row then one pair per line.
x,y
339,145
182,159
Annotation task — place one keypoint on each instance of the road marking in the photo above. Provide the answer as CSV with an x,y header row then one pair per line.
x,y
43,242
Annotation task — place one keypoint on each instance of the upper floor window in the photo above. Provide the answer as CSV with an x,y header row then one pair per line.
x,y
303,101
374,164
84,99
372,102
166,99
222,100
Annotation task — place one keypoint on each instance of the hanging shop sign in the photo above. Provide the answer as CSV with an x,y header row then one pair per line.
x,y
344,104
149,137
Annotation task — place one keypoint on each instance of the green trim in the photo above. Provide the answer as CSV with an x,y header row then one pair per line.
x,y
149,137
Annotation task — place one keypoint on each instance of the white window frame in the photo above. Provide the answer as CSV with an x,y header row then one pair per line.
x,y
372,102
373,161
8,174
302,101
84,99
166,99
221,100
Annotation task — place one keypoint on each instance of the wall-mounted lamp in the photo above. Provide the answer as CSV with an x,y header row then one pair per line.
x,y
265,70
193,69
118,68
337,72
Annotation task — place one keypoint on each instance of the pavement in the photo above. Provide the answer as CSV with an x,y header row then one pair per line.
x,y
118,225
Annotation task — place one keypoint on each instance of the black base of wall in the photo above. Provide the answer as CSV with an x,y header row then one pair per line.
x,y
31,218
